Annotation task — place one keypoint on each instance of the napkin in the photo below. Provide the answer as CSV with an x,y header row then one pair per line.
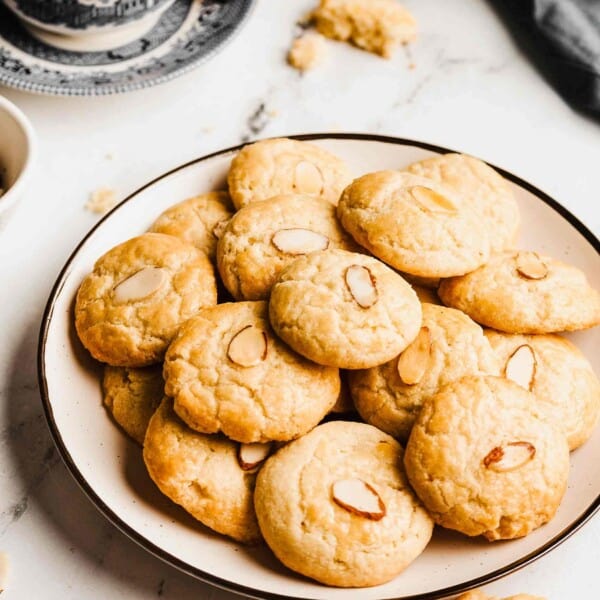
x,y
562,37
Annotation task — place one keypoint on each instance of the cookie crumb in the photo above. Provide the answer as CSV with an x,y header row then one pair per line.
x,y
109,156
307,51
101,200
378,26
4,566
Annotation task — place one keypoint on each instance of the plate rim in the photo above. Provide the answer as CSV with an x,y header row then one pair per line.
x,y
209,578
122,88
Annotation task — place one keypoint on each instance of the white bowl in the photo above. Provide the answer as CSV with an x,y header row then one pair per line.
x,y
110,469
18,147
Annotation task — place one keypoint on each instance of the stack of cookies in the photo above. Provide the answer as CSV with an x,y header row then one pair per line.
x,y
342,397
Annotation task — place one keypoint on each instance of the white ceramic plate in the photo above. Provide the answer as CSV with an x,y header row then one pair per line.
x,y
109,467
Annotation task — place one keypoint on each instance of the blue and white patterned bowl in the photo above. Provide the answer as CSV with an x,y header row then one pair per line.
x,y
186,34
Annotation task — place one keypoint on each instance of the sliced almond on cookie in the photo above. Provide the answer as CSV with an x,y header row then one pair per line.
x,y
362,285
299,241
531,266
219,228
509,457
432,201
252,455
414,361
358,498
521,365
140,285
308,178
248,347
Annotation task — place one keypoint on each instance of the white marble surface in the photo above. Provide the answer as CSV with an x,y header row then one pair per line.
x,y
471,89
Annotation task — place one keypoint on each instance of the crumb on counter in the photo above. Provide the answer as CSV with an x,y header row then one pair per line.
x,y
378,26
4,567
101,200
307,51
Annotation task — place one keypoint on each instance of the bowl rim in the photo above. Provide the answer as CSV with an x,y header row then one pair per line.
x,y
214,580
12,193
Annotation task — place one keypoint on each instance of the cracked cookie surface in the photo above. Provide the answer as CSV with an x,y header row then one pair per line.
x,y
313,308
125,319
283,166
499,294
455,347
197,220
132,395
280,396
483,188
561,378
202,474
249,253
413,224
313,534
484,460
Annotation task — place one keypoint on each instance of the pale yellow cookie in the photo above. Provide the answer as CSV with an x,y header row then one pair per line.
x,y
282,166
265,237
484,460
131,305
335,506
483,188
344,309
379,26
205,474
520,291
228,372
414,224
132,395
559,375
479,594
449,346
199,220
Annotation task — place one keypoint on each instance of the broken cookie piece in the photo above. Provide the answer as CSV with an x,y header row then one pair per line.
x,y
378,26
307,51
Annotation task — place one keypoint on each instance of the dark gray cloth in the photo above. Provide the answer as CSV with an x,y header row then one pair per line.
x,y
562,37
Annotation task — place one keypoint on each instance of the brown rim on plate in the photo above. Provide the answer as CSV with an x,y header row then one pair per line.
x,y
212,579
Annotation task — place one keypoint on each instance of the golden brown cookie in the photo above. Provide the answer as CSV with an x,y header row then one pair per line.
x,y
199,220
205,474
483,188
520,291
484,460
131,305
414,224
479,594
335,506
559,375
449,346
344,309
265,237
132,395
228,372
379,26
282,166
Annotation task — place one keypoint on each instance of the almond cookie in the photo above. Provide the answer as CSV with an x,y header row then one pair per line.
x,y
484,460
211,477
265,237
525,292
282,166
132,395
414,224
483,188
228,372
479,594
378,26
344,309
335,506
199,220
559,375
131,305
449,346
